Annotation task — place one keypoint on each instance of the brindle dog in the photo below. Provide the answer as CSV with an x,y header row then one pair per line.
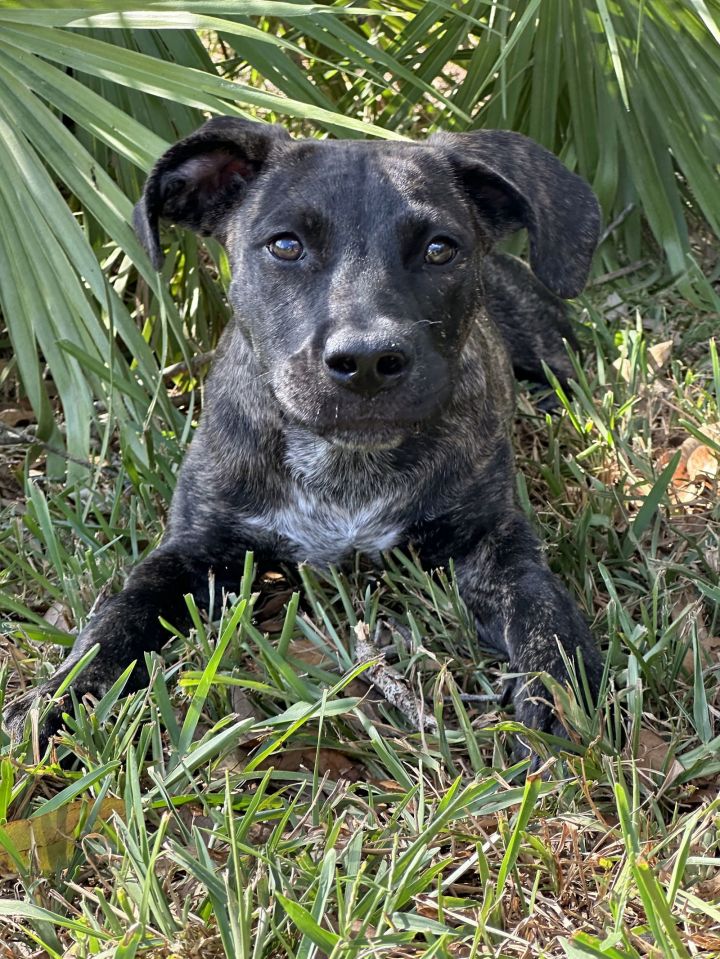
x,y
362,397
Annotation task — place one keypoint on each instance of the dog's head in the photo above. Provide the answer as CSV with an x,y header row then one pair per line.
x,y
356,265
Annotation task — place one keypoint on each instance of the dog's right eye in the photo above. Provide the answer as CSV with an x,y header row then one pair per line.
x,y
286,247
440,251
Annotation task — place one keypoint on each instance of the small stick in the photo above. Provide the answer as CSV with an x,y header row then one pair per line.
x,y
390,683
623,271
200,359
620,218
16,437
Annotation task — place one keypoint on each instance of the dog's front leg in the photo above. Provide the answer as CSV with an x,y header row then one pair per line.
x,y
125,627
519,604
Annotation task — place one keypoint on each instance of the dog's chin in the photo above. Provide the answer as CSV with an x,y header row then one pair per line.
x,y
366,437
365,434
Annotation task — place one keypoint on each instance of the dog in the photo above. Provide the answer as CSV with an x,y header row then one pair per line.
x,y
362,397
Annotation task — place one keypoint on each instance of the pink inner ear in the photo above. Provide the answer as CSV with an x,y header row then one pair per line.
x,y
233,166
213,171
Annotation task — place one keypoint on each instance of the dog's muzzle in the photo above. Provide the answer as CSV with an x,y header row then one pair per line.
x,y
366,363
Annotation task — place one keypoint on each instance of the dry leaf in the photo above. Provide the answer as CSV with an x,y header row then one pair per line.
x,y
622,365
697,464
709,653
687,448
307,652
701,463
243,706
653,755
49,838
390,784
688,445
652,751
331,762
659,354
55,616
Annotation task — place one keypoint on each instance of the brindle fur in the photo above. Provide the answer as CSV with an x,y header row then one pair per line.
x,y
289,464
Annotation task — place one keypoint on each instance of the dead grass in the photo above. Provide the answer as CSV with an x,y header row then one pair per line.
x,y
304,812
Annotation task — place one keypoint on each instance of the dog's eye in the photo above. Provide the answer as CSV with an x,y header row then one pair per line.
x,y
440,251
286,247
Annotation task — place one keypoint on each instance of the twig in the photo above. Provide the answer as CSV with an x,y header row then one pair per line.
x,y
390,683
620,218
200,359
16,437
478,697
623,271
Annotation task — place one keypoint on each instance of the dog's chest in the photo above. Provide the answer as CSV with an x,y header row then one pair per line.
x,y
323,532
334,505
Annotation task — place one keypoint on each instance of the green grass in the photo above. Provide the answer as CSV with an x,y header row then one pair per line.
x,y
92,93
269,800
276,804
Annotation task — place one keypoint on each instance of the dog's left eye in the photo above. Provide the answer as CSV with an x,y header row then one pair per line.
x,y
440,251
286,247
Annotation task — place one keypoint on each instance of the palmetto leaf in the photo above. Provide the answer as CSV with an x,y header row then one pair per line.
x,y
90,95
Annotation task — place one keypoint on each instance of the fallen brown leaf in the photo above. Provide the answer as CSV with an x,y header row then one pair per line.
x,y
48,839
659,354
709,653
307,652
653,755
55,616
390,785
701,463
696,467
652,750
332,763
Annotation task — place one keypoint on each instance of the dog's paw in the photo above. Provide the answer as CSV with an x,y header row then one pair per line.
x,y
90,686
533,708
540,717
16,713
534,711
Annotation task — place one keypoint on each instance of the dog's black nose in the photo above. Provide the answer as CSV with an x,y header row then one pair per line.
x,y
364,365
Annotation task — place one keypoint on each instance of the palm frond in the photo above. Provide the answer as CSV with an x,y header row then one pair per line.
x,y
91,95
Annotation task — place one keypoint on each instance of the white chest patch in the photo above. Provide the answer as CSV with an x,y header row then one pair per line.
x,y
318,522
322,532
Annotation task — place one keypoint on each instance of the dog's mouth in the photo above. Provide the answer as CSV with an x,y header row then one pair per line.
x,y
380,423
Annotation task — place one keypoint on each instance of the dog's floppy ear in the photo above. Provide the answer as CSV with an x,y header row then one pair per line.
x,y
515,183
201,178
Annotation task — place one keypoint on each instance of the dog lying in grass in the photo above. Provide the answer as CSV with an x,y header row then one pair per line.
x,y
362,397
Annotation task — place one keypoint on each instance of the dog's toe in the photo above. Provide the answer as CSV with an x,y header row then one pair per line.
x,y
16,714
